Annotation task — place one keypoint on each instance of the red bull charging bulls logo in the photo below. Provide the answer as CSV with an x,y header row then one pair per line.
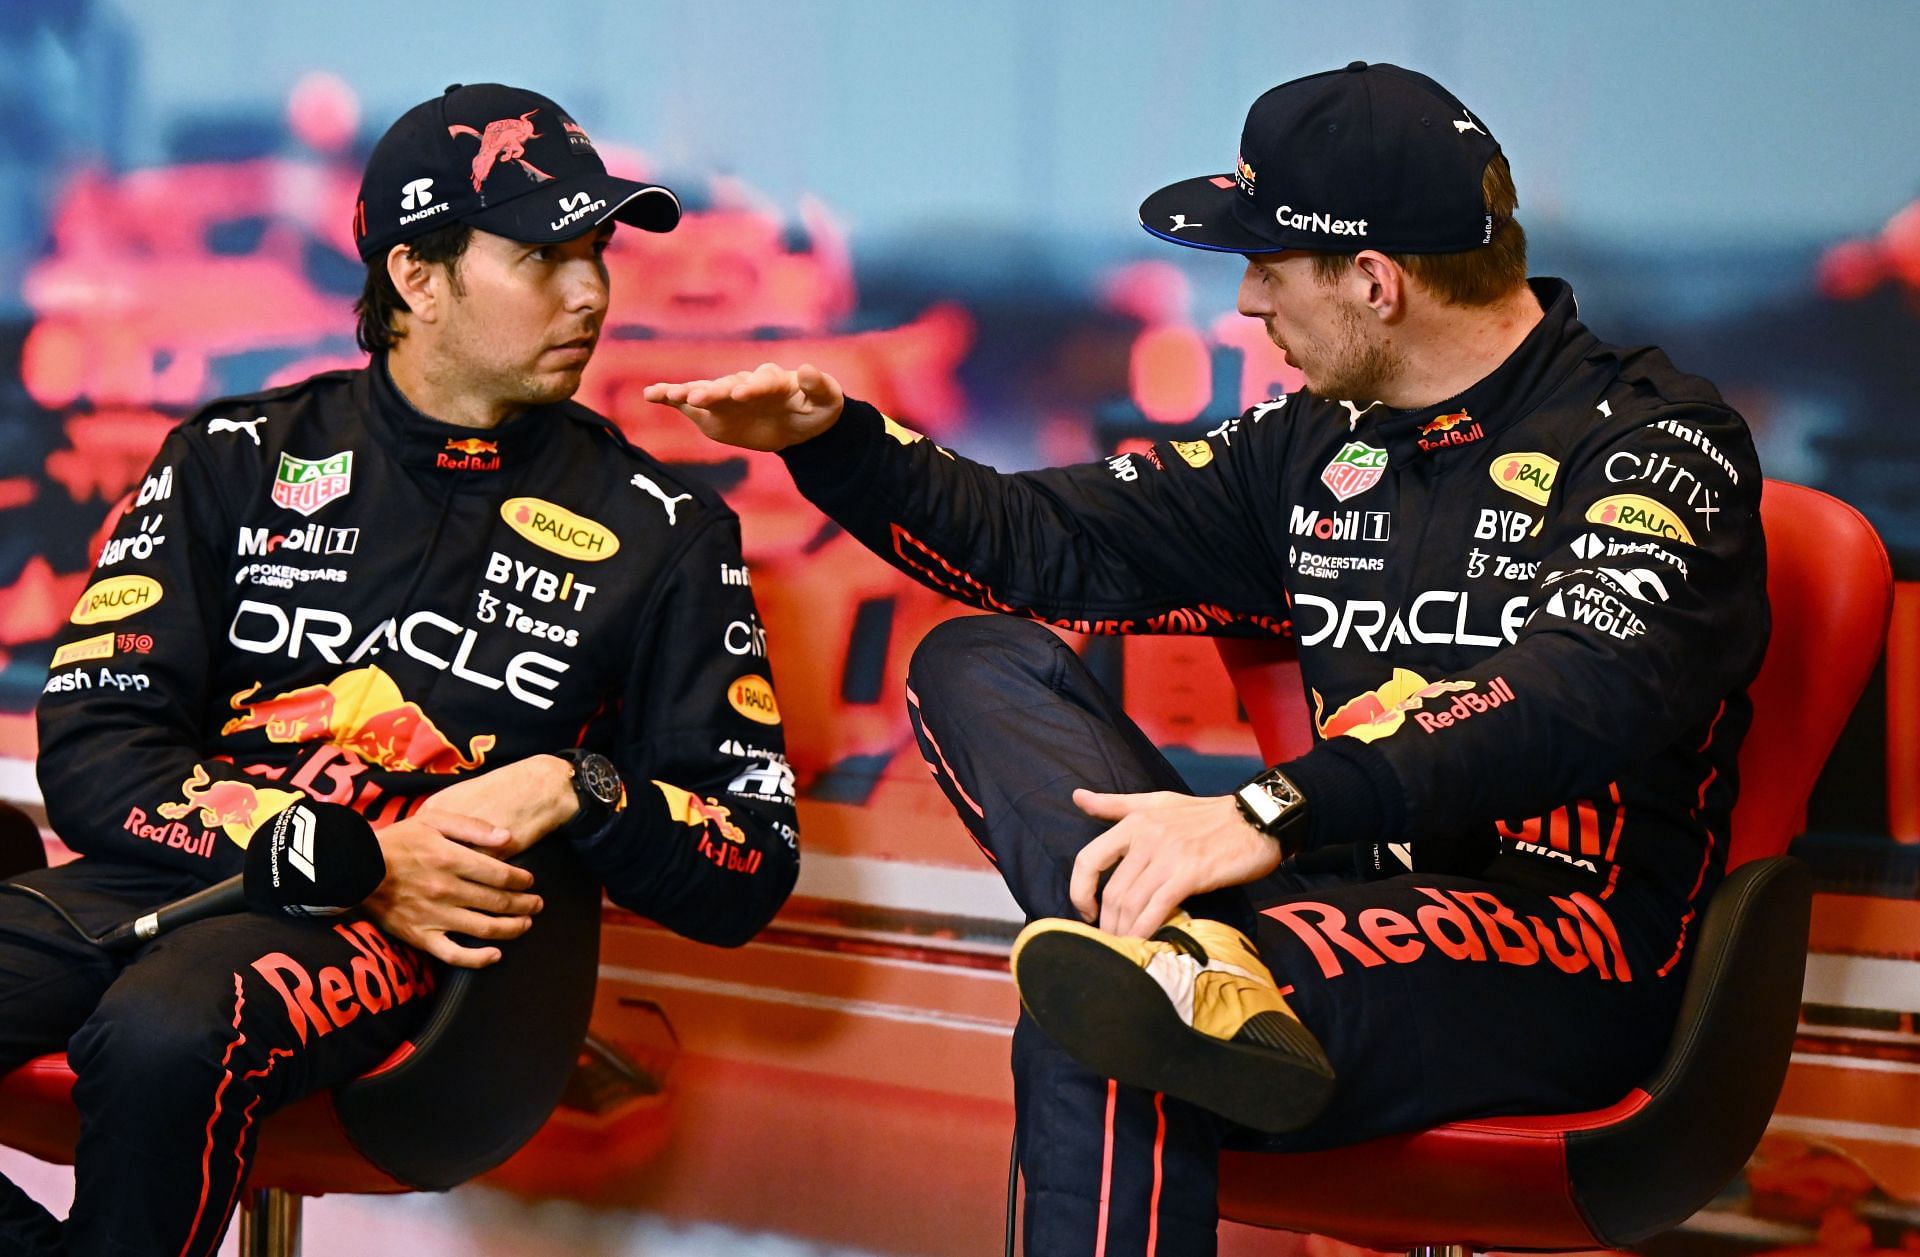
x,y
1457,428
361,711
469,454
234,807
504,140
1379,713
711,818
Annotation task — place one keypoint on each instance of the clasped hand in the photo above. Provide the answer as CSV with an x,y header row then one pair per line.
x,y
447,870
1163,848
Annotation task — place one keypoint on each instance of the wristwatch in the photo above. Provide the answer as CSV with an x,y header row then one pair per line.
x,y
1272,804
597,786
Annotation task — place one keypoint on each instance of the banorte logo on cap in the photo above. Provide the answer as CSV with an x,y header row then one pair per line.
x,y
504,140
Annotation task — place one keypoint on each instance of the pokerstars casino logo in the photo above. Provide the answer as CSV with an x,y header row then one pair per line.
x,y
305,485
1355,469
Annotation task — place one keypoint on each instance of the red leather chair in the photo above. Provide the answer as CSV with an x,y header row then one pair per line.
x,y
472,1086
1615,1176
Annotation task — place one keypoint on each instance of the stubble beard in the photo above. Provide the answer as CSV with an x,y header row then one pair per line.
x,y
1358,367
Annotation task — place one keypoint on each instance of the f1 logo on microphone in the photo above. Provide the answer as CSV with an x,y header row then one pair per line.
x,y
416,194
300,841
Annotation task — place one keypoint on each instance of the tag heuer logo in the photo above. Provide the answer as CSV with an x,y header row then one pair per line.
x,y
1355,469
305,486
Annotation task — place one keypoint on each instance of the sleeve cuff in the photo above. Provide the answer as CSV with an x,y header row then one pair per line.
x,y
833,464
1352,793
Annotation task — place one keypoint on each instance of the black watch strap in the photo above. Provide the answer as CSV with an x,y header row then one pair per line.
x,y
598,788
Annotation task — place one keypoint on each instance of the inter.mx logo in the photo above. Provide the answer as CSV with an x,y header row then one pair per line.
x,y
306,485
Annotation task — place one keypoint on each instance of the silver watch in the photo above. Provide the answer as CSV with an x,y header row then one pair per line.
x,y
1272,804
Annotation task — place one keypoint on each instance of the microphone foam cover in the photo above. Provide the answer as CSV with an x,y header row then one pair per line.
x,y
313,859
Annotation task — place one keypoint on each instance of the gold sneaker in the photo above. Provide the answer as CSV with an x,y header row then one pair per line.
x,y
1190,1011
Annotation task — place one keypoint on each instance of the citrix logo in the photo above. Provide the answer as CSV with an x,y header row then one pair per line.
x,y
416,194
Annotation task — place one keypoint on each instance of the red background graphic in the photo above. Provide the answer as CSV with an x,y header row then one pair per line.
x,y
718,1085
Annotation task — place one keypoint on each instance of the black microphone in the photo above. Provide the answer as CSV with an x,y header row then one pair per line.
x,y
310,860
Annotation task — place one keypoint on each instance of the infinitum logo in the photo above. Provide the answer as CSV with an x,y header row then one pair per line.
x,y
418,196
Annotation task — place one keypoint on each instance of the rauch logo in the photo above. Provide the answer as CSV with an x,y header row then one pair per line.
x,y
558,530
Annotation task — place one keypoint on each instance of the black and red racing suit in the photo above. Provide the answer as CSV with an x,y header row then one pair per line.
x,y
318,591
1526,619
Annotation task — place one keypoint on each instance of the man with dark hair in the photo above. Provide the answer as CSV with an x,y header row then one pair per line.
x,y
1525,574
433,594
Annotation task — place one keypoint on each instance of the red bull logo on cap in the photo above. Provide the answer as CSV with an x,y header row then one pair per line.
x,y
361,711
1380,713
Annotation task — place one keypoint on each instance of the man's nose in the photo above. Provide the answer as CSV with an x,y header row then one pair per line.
x,y
1250,301
588,290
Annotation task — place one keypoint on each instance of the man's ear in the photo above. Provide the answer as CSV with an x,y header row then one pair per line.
x,y
415,281
1386,284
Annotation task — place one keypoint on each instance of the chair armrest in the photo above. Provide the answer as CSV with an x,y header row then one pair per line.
x,y
496,1051
1711,1097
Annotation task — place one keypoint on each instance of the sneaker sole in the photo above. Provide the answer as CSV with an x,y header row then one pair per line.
x,y
1111,1016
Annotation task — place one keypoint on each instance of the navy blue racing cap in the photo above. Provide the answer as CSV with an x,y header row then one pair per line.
x,y
1369,157
504,159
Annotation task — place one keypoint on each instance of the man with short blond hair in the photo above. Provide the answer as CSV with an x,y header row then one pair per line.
x,y
1525,573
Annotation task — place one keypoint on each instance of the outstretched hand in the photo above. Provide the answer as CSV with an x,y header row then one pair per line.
x,y
1164,848
767,408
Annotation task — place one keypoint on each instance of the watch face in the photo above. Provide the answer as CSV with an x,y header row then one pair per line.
x,y
597,774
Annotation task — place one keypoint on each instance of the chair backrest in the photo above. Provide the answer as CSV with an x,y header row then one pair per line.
x,y
1832,593
492,1060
